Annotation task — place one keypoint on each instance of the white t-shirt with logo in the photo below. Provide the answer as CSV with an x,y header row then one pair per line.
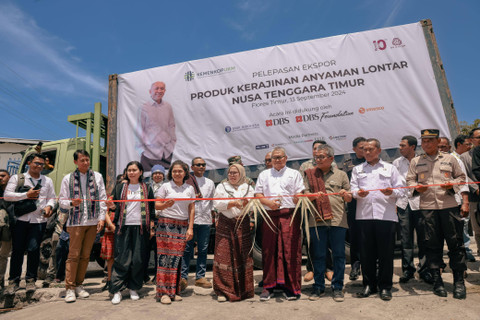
x,y
134,211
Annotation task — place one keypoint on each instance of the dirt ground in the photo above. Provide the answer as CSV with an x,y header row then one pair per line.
x,y
413,300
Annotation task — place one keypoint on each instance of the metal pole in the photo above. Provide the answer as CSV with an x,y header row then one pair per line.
x,y
97,118
112,131
441,78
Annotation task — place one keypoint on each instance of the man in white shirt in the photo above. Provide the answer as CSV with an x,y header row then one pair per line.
x,y
30,226
204,188
82,197
377,218
281,247
156,129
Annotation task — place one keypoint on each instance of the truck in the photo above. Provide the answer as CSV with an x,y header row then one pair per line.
x,y
290,104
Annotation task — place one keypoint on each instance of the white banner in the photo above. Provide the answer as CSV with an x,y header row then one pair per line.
x,y
377,83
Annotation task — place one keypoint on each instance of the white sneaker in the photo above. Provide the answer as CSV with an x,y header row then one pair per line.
x,y
134,295
81,293
70,296
117,297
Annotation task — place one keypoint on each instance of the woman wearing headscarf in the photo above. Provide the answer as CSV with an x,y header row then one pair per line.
x,y
175,228
133,220
233,264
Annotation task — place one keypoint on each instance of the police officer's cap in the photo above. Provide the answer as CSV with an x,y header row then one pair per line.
x,y
430,133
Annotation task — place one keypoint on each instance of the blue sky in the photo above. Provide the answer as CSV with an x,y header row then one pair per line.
x,y
56,55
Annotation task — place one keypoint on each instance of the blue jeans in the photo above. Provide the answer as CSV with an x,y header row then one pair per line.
x,y
335,236
466,237
61,253
201,233
26,236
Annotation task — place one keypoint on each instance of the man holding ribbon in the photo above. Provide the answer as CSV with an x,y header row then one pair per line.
x,y
436,176
376,185
330,227
82,197
282,245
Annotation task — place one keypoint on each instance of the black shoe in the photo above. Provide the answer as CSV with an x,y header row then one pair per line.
x,y
355,273
386,295
106,286
338,295
438,287
260,284
427,277
470,258
47,282
407,275
366,292
459,290
290,296
316,294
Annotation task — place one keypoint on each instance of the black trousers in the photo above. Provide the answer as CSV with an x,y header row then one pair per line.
x,y
151,245
26,236
148,163
377,243
129,256
410,220
440,225
354,234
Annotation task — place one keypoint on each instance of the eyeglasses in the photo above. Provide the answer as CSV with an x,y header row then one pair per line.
x,y
40,164
278,157
268,160
200,164
233,173
320,158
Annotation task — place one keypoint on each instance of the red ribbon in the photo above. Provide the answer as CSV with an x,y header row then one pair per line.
x,y
276,197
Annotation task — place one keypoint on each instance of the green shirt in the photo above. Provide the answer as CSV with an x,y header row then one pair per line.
x,y
335,180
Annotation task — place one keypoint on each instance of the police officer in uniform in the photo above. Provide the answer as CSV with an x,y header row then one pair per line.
x,y
441,213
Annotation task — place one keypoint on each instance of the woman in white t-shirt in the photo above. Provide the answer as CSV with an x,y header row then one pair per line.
x,y
133,228
175,228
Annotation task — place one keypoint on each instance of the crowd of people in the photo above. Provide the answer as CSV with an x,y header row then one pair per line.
x,y
370,198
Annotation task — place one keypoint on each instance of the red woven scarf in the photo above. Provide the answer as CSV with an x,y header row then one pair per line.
x,y
317,184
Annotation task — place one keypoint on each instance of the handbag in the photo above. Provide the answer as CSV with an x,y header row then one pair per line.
x,y
23,206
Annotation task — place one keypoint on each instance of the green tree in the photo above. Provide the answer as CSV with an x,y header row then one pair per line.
x,y
465,128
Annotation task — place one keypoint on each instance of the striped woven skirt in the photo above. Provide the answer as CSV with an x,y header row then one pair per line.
x,y
171,242
233,264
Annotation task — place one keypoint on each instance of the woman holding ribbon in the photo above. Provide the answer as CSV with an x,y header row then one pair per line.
x,y
133,219
233,264
175,228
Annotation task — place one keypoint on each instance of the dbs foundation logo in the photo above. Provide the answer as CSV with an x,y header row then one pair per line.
x,y
307,117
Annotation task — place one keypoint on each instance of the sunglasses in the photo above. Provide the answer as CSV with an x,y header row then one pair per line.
x,y
200,164
268,160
